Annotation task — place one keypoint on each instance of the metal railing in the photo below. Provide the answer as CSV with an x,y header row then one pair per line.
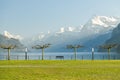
x,y
63,57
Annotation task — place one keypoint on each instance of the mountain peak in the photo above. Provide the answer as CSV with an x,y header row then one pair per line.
x,y
70,29
101,24
104,20
9,35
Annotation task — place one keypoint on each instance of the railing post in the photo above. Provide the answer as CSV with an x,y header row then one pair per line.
x,y
50,57
71,57
75,53
108,53
17,57
103,57
114,57
28,57
6,57
82,57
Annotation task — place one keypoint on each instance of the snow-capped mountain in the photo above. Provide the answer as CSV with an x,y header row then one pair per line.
x,y
101,24
9,35
95,32
96,23
103,21
95,27
6,42
70,29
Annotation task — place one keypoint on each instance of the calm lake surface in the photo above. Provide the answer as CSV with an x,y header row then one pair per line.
x,y
61,55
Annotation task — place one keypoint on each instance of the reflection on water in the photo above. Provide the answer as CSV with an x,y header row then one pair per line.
x,y
62,55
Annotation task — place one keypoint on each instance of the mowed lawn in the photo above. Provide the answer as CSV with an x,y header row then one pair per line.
x,y
60,70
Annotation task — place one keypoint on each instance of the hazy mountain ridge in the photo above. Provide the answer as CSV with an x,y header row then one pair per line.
x,y
95,32
99,27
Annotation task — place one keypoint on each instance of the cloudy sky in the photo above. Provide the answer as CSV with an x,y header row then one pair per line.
x,y
30,17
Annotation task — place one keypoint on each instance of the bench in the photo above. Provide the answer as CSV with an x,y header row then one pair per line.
x,y
59,57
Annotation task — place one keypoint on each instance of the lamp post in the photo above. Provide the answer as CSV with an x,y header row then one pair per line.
x,y
26,50
92,53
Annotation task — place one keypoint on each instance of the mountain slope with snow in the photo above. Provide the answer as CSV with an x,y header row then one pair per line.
x,y
96,27
6,42
9,35
101,24
10,41
104,21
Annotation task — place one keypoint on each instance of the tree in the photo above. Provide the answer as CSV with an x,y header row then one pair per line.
x,y
75,47
108,47
9,47
9,43
42,47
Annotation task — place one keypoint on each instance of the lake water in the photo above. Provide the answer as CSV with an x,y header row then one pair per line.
x,y
61,55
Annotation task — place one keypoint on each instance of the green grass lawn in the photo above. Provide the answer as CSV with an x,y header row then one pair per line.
x,y
60,70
